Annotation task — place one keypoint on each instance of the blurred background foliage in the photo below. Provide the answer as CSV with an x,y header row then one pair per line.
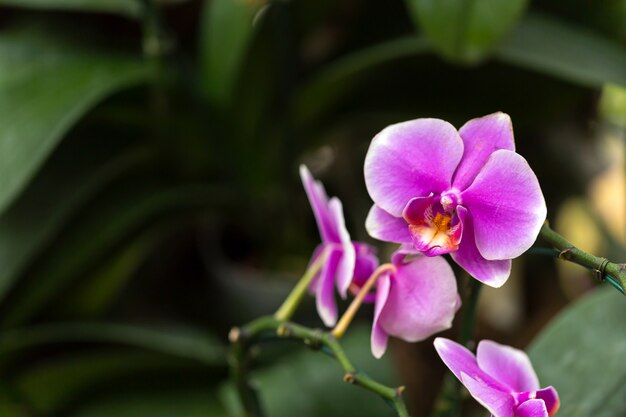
x,y
149,196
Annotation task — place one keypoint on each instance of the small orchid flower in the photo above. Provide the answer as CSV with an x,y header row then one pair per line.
x,y
344,260
500,378
463,192
415,299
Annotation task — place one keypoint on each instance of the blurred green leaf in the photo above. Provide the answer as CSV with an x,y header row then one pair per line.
x,y
49,385
165,403
125,7
310,384
226,31
176,341
543,44
38,110
466,30
613,104
119,215
582,354
39,213
347,73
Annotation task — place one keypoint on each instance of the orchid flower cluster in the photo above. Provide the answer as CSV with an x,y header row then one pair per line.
x,y
437,191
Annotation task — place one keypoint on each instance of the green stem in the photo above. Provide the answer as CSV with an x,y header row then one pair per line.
x,y
245,337
612,272
291,303
448,402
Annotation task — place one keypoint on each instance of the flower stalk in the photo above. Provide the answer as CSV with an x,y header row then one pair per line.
x,y
613,273
348,316
293,300
245,337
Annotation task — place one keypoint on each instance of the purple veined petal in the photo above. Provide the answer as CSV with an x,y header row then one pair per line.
x,y
422,299
366,263
461,361
319,250
551,399
379,337
411,159
345,268
506,205
398,257
508,365
383,226
492,273
481,137
319,201
532,408
499,403
325,295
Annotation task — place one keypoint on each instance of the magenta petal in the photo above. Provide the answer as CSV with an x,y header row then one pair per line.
x,y
379,337
499,403
508,365
492,273
551,398
383,226
422,299
411,159
318,200
532,408
481,137
345,268
506,205
325,297
459,359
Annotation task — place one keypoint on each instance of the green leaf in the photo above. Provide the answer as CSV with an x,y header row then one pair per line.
x,y
466,30
543,44
227,29
581,353
38,215
310,383
176,341
118,215
46,86
173,402
125,7
344,75
48,385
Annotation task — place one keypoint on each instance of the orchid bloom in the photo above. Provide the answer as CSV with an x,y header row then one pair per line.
x,y
344,260
463,192
500,378
414,300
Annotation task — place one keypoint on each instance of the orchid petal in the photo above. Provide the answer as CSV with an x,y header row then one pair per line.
x,y
318,201
383,226
481,137
422,299
492,273
411,159
499,403
460,360
508,365
345,269
379,337
325,297
319,251
366,263
532,408
506,205
551,398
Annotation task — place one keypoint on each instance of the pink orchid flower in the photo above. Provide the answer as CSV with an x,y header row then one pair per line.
x,y
500,378
345,261
463,192
415,300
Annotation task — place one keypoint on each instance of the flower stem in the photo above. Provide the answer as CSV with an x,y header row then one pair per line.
x,y
348,316
243,338
613,273
291,303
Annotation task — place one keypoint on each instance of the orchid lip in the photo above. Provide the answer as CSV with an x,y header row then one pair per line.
x,y
433,229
